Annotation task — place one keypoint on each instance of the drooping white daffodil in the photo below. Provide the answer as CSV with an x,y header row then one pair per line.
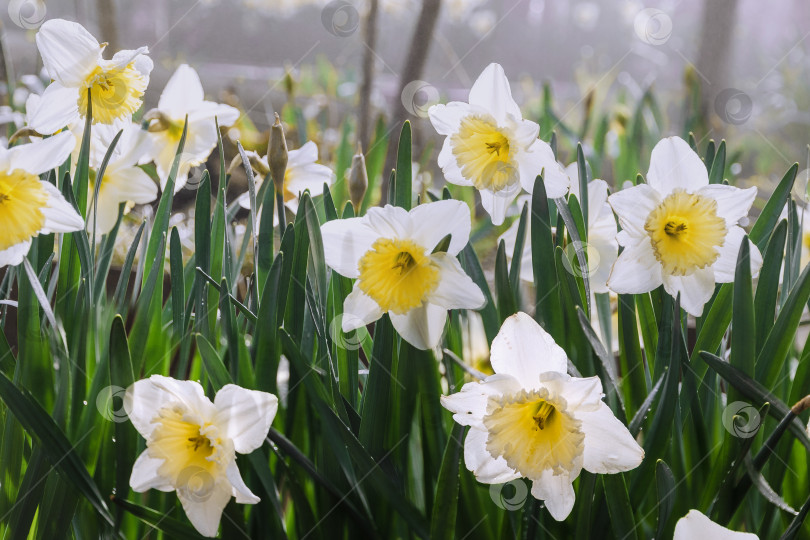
x,y
390,252
303,173
490,146
183,95
679,230
123,182
532,420
73,59
30,206
191,442
695,525
602,247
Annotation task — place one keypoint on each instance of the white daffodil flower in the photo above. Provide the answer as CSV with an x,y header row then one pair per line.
x,y
30,206
602,247
679,230
191,442
390,252
532,420
303,173
695,525
123,182
73,59
490,146
183,95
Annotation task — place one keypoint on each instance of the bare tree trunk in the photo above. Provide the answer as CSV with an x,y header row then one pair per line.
x,y
414,66
107,23
714,56
370,38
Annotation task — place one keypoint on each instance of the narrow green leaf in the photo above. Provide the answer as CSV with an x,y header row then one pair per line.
x,y
666,490
404,187
445,507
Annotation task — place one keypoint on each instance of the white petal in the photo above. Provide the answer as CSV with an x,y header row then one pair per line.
x,y
602,253
726,264
609,447
524,350
696,525
572,170
69,52
59,107
633,207
389,221
183,91
636,270
15,254
59,214
125,57
359,309
246,415
487,469
456,290
696,289
208,111
240,490
674,165
144,398
470,404
491,91
496,203
145,475
204,510
510,243
43,155
447,118
345,241
538,159
557,492
580,394
732,203
305,155
433,221
525,134
128,184
310,177
598,206
447,162
422,326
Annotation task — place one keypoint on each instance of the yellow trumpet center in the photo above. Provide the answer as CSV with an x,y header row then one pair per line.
x,y
193,452
115,92
686,231
484,154
397,275
22,198
533,432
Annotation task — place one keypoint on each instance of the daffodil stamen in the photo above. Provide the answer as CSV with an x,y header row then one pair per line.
x,y
397,274
482,150
686,232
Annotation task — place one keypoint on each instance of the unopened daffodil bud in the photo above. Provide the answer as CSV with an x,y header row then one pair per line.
x,y
358,179
277,154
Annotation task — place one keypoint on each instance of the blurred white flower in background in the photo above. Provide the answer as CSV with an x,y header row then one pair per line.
x,y
183,95
303,173
123,181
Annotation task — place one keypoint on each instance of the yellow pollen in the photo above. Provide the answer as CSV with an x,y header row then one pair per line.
x,y
191,450
482,152
533,432
115,92
397,275
686,232
22,198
